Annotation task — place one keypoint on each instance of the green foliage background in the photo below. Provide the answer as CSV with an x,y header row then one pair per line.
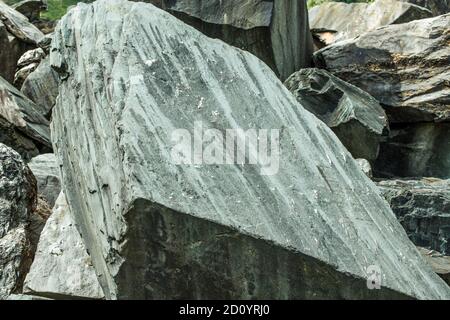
x,y
56,8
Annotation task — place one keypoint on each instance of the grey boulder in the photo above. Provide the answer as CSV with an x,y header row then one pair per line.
x,y
276,31
408,73
46,171
437,7
17,204
62,267
336,21
11,50
423,208
356,118
22,126
314,228
41,87
18,25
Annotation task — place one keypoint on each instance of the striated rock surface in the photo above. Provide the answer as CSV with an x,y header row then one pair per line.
x,y
415,150
41,87
22,126
46,171
423,208
62,268
355,117
17,203
155,229
276,31
348,20
18,25
409,73
437,7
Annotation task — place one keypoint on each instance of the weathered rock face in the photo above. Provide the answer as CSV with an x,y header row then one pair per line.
x,y
439,263
349,20
276,31
46,171
41,87
422,207
27,63
62,268
437,7
357,118
408,74
30,8
17,202
22,126
415,150
12,49
31,56
365,166
18,25
155,229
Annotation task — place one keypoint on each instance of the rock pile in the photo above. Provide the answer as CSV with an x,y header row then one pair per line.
x,y
184,168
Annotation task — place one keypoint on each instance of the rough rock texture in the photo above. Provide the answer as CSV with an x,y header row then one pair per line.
x,y
423,208
22,126
62,268
46,171
159,230
41,87
357,118
17,203
18,25
439,263
11,50
409,73
437,7
349,20
276,31
365,167
25,297
415,150
30,8
31,56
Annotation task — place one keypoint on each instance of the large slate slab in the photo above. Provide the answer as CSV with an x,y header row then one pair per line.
x,y
62,268
437,7
18,25
403,66
276,31
355,117
155,229
23,127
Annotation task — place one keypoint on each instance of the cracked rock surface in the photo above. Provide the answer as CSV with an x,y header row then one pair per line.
x,y
155,229
17,204
62,267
